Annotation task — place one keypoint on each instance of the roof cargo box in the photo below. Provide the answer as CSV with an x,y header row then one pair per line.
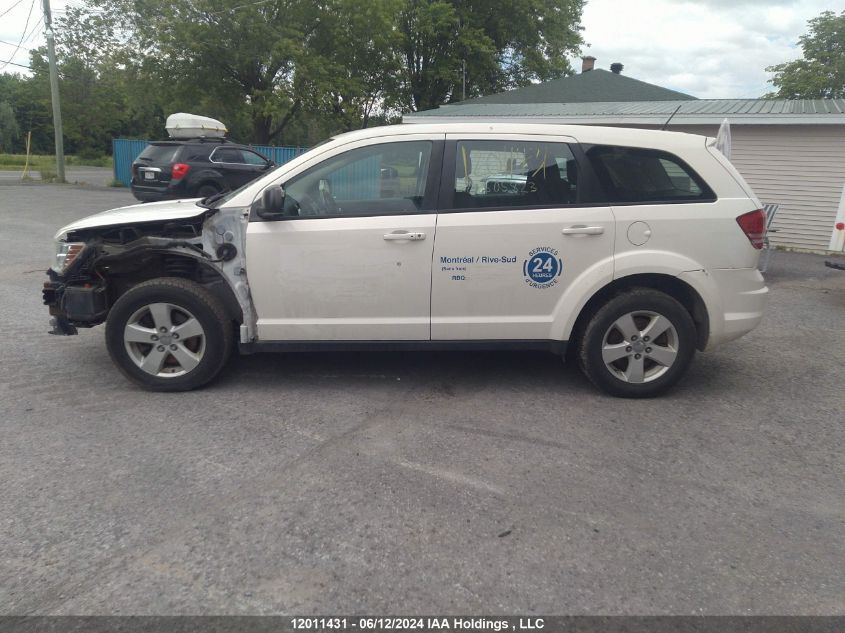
x,y
183,125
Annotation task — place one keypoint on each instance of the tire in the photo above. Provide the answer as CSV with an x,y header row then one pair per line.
x,y
191,349
207,189
638,344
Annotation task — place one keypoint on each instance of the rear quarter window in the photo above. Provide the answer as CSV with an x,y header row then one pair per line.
x,y
638,175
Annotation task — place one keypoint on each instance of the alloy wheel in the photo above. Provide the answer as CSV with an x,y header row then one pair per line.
x,y
640,346
164,340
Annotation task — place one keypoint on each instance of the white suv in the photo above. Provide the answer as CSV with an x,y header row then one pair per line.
x,y
629,248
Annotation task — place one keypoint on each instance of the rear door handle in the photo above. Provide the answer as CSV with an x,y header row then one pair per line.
x,y
580,229
405,235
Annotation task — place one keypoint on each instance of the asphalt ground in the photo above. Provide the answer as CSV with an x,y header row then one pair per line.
x,y
417,483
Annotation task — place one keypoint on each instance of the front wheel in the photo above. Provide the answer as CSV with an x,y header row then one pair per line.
x,y
168,334
638,344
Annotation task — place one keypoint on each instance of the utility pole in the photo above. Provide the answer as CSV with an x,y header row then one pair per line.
x,y
54,92
463,63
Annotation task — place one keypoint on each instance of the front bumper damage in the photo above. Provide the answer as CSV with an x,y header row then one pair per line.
x,y
52,293
73,306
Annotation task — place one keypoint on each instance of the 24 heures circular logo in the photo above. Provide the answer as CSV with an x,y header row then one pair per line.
x,y
543,267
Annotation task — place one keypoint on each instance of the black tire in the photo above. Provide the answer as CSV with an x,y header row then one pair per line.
x,y
183,298
641,304
207,189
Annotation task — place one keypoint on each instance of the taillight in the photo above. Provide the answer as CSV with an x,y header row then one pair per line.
x,y
179,170
753,224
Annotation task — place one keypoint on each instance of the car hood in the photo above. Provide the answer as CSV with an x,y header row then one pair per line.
x,y
137,213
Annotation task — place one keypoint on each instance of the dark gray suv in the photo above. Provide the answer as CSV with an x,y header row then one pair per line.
x,y
166,170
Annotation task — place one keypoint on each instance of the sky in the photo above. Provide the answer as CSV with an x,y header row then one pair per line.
x,y
711,49
716,49
15,16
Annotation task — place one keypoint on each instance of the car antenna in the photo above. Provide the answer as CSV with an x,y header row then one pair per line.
x,y
671,116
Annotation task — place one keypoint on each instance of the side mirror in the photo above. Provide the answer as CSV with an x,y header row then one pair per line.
x,y
272,203
269,165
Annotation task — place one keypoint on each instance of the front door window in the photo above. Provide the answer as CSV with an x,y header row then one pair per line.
x,y
385,179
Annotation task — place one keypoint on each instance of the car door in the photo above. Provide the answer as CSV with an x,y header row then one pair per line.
x,y
351,258
515,239
256,163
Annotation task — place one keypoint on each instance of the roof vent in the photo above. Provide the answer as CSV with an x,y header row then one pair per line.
x,y
616,68
587,63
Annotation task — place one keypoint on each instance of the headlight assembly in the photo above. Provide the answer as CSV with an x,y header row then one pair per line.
x,y
66,253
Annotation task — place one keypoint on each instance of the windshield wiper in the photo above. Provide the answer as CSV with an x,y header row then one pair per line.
x,y
209,200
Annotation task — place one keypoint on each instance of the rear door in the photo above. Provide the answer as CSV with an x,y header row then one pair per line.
x,y
237,165
513,237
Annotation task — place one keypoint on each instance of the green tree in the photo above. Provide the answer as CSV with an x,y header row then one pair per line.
x,y
9,130
230,59
820,74
31,113
352,71
283,71
505,45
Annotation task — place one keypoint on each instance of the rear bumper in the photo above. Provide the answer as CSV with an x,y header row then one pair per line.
x,y
735,298
152,193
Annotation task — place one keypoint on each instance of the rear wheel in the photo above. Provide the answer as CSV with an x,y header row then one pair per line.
x,y
207,189
638,344
168,334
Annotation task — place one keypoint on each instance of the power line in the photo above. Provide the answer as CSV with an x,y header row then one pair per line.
x,y
23,35
12,44
10,8
31,33
9,62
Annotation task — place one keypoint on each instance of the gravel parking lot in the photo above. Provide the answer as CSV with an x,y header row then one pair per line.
x,y
417,483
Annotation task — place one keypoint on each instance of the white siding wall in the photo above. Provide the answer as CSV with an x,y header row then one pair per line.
x,y
801,167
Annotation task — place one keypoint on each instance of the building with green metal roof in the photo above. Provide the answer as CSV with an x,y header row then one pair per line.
x,y
596,85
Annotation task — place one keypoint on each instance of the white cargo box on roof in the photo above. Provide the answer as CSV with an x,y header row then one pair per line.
x,y
183,125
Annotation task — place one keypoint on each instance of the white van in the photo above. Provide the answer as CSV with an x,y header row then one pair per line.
x,y
628,248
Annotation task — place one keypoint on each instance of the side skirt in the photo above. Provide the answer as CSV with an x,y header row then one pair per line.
x,y
555,347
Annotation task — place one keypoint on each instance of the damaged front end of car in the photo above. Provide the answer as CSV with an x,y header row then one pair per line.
x,y
95,265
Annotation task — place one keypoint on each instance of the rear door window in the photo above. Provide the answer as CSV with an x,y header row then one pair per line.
x,y
637,175
227,155
513,174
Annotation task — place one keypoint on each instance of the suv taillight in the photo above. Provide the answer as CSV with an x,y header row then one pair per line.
x,y
753,224
178,171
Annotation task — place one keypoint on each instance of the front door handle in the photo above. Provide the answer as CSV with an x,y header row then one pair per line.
x,y
580,229
405,235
